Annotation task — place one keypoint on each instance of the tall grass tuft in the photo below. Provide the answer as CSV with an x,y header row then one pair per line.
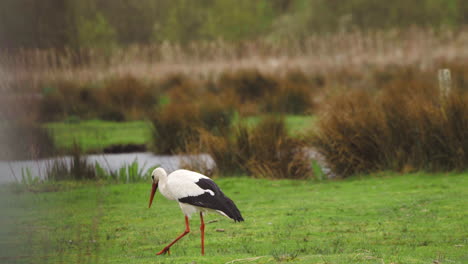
x,y
265,151
249,84
402,128
173,128
128,173
177,127
126,98
76,167
291,98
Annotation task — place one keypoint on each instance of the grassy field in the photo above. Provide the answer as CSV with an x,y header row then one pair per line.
x,y
94,135
98,134
416,218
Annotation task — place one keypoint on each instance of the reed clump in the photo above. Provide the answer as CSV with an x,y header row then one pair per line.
x,y
256,92
249,84
126,98
265,151
173,128
75,167
176,128
401,128
249,91
63,99
117,99
249,87
291,98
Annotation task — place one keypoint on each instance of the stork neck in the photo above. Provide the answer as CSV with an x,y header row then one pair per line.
x,y
163,178
164,188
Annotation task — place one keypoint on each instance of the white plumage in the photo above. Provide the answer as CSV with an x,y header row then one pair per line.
x,y
196,193
179,184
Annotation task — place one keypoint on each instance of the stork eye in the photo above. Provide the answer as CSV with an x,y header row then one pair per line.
x,y
152,177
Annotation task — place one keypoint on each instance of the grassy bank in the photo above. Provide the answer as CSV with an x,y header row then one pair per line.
x,y
94,135
414,218
98,134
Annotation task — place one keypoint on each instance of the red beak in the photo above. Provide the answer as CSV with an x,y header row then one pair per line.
x,y
153,191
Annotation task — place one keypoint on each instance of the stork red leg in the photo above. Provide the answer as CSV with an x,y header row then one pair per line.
x,y
168,247
202,229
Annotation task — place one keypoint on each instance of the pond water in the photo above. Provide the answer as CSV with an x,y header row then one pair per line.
x,y
11,171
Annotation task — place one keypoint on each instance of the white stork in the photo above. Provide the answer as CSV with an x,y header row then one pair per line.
x,y
196,193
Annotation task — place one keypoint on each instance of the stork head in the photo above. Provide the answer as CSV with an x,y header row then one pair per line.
x,y
155,176
157,173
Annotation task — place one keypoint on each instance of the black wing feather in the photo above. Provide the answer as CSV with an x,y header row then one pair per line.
x,y
217,202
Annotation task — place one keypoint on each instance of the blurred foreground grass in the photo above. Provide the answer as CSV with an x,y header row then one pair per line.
x,y
94,135
387,218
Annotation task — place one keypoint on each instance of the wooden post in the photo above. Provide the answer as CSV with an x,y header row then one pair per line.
x,y
445,82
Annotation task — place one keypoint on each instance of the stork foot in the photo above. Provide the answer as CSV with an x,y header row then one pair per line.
x,y
167,248
164,251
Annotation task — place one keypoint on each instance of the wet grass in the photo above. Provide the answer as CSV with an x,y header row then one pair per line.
x,y
94,135
386,218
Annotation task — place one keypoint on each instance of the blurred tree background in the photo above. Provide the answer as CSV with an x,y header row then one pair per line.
x,y
105,23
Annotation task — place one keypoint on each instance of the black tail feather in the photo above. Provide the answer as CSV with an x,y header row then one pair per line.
x,y
218,201
231,210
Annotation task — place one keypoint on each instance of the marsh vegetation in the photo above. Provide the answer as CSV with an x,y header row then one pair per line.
x,y
281,95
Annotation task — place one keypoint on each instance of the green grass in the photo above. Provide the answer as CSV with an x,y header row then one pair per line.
x,y
95,135
296,124
415,218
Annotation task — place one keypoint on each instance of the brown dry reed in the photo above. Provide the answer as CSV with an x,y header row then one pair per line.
x,y
176,128
264,151
126,98
403,128
255,92
320,53
122,98
249,84
292,98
